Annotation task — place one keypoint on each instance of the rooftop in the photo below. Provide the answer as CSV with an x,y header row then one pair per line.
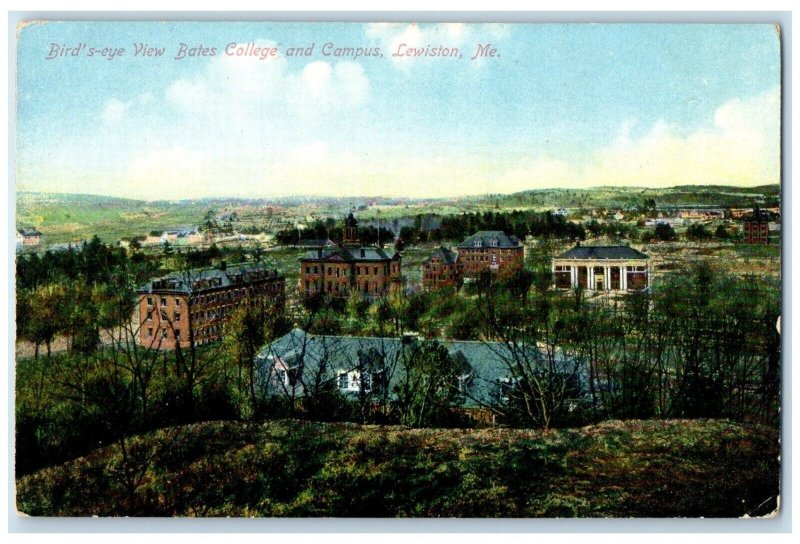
x,y
204,279
447,256
490,238
485,363
603,252
350,254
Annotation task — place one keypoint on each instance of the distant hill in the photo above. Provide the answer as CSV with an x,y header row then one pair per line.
x,y
71,217
619,197
675,468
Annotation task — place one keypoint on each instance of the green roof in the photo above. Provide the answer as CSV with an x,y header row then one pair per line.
x,y
486,364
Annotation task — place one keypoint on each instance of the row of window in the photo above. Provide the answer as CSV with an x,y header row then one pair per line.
x,y
360,270
165,334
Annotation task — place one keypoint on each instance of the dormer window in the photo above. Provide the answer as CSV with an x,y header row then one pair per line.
x,y
493,243
463,382
478,242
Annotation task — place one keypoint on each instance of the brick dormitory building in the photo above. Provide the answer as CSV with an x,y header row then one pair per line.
x,y
200,301
491,250
350,267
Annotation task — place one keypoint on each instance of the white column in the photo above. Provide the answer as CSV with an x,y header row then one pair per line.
x,y
590,277
623,277
573,276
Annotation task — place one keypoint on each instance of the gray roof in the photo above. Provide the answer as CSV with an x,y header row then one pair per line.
x,y
349,254
315,243
29,232
485,363
486,237
447,256
205,279
602,252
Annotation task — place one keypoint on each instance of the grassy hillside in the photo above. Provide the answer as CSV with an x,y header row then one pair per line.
x,y
291,468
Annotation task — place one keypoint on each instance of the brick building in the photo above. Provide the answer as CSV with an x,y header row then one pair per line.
x,y
441,269
491,250
195,304
756,228
602,268
350,267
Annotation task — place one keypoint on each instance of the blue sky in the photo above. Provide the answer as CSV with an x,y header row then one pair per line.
x,y
561,106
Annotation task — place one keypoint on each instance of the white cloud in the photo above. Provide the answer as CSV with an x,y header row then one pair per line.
x,y
739,146
113,111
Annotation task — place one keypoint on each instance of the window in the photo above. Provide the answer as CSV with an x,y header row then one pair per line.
x,y
477,242
149,301
507,386
493,243
163,302
177,316
463,382
177,335
375,270
164,334
149,315
344,380
163,315
177,302
149,332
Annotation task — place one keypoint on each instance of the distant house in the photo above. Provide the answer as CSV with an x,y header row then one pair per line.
x,y
441,269
756,228
359,364
491,250
29,237
602,268
671,221
561,212
701,214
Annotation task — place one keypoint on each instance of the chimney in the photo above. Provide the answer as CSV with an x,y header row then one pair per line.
x,y
223,265
362,253
319,252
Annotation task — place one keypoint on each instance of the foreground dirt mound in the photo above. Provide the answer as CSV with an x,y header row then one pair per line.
x,y
294,468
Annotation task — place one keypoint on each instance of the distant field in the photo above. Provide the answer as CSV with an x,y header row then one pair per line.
x,y
68,217
673,468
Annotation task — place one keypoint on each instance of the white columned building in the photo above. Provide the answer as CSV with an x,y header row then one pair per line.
x,y
623,269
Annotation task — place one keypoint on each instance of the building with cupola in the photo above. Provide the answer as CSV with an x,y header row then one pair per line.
x,y
349,266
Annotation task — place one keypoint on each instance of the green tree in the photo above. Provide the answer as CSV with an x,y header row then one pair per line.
x,y
428,387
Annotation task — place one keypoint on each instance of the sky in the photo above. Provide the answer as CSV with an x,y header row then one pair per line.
x,y
554,106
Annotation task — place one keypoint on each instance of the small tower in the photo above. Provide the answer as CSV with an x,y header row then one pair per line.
x,y
350,238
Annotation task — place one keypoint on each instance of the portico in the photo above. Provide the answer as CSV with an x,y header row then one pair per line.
x,y
602,268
